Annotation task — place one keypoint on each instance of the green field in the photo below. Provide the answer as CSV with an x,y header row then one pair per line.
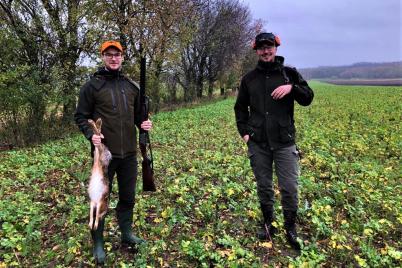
x,y
205,211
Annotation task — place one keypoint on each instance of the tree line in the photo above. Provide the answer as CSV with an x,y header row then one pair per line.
x,y
191,46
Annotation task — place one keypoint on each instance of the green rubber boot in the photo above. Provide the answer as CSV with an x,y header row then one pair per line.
x,y
125,219
98,243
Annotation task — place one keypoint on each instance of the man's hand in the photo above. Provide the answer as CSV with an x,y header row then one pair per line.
x,y
246,138
97,139
281,91
146,125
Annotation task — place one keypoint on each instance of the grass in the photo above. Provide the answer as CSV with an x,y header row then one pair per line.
x,y
206,210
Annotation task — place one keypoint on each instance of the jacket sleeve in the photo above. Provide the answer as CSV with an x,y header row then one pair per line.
x,y
302,92
84,110
242,109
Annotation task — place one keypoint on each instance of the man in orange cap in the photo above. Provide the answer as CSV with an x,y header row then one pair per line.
x,y
264,114
114,98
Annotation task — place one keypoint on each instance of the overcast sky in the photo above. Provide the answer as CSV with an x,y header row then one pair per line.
x,y
333,32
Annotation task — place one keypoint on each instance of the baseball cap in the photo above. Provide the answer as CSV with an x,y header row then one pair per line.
x,y
266,38
108,44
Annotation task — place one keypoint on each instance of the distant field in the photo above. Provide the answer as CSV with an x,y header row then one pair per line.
x,y
205,211
364,82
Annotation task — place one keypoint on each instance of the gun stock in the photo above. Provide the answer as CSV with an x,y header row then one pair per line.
x,y
148,183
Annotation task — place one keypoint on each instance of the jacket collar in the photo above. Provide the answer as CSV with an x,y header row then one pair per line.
x,y
102,71
270,66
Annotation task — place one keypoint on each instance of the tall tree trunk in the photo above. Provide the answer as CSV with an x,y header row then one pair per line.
x,y
69,92
210,88
155,85
172,89
34,126
69,105
155,94
199,86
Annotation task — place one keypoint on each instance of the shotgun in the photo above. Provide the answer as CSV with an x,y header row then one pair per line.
x,y
148,183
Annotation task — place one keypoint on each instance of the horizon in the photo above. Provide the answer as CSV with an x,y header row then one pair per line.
x,y
353,64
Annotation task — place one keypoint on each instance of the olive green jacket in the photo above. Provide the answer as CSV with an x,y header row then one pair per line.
x,y
115,99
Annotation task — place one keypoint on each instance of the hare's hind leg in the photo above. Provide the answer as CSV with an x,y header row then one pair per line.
x,y
91,215
97,216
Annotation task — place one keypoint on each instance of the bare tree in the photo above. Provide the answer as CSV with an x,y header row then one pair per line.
x,y
156,25
222,30
25,23
229,40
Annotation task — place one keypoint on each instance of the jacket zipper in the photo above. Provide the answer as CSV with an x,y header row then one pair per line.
x,y
121,119
266,96
125,107
113,100
124,99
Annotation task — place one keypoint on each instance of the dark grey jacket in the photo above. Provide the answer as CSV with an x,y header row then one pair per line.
x,y
257,114
114,98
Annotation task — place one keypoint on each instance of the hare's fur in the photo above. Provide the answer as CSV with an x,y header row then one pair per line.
x,y
98,188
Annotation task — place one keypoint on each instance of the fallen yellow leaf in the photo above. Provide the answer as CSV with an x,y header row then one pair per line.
x,y
266,244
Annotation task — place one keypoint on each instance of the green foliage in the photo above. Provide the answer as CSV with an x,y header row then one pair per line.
x,y
206,210
24,101
41,43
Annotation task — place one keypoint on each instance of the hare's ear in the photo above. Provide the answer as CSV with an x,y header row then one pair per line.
x,y
99,124
92,124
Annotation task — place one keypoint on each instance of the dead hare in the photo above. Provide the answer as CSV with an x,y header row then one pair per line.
x,y
98,188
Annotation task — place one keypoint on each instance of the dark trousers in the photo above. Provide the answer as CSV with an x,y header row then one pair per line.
x,y
287,171
126,170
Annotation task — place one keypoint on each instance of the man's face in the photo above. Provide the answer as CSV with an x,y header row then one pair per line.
x,y
266,53
112,58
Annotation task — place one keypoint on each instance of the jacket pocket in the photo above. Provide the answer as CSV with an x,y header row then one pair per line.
x,y
287,130
256,130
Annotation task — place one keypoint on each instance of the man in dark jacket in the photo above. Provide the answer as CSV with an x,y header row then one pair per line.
x,y
115,99
264,115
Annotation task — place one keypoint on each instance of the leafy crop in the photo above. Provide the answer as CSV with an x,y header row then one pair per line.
x,y
205,211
